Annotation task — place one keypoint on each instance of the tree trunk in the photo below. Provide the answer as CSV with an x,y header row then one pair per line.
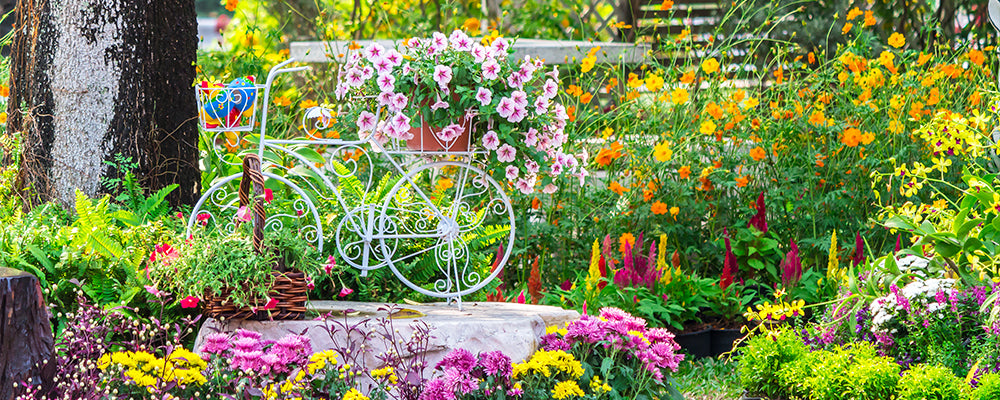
x,y
25,335
91,79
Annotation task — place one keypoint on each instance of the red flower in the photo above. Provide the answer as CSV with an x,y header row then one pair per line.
x,y
729,266
791,267
859,250
345,291
271,303
203,218
535,282
189,302
164,253
268,195
759,220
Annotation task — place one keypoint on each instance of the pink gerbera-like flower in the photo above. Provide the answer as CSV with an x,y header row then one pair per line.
x,y
366,121
491,69
442,75
506,153
484,96
506,107
511,172
491,140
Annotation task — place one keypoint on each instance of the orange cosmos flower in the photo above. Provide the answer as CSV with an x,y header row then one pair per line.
x,y
757,153
684,172
659,208
617,188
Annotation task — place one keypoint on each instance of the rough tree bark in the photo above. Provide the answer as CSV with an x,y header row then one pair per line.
x,y
25,335
94,78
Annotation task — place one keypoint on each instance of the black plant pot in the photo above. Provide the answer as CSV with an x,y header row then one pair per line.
x,y
698,344
722,340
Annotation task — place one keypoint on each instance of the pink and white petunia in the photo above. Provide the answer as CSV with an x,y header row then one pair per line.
x,y
517,115
514,81
460,41
550,89
366,121
400,122
511,172
383,67
355,77
399,102
440,104
491,69
450,132
527,184
385,98
478,53
549,189
442,75
374,53
485,96
531,166
393,57
500,47
506,107
367,72
491,141
541,106
506,153
531,137
439,42
520,98
386,82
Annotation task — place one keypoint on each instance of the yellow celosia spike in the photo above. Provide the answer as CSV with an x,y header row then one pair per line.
x,y
832,273
594,272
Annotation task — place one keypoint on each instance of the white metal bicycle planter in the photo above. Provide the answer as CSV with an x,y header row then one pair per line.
x,y
415,218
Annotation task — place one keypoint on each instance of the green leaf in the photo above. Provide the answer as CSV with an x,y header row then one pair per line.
x,y
309,154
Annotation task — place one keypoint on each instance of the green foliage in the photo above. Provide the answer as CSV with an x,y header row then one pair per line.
x,y
989,388
762,358
854,372
925,381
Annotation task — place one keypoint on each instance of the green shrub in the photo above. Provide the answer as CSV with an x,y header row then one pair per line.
x,y
989,388
925,382
763,357
872,378
794,375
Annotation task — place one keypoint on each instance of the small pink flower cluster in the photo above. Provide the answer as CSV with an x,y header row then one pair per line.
x,y
617,331
245,351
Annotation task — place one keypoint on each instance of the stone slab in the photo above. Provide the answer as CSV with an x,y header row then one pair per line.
x,y
477,327
551,51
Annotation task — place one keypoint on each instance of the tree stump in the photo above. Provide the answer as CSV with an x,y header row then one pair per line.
x,y
25,335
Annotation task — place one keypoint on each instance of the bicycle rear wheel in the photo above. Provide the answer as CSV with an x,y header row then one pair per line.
x,y
449,228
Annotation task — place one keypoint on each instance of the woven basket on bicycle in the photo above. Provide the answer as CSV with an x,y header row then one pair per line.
x,y
289,288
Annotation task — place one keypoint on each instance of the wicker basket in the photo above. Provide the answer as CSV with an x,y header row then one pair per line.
x,y
290,288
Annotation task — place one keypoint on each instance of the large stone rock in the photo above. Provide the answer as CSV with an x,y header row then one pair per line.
x,y
477,327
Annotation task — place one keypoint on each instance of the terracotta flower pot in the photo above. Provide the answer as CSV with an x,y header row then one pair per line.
x,y
425,138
